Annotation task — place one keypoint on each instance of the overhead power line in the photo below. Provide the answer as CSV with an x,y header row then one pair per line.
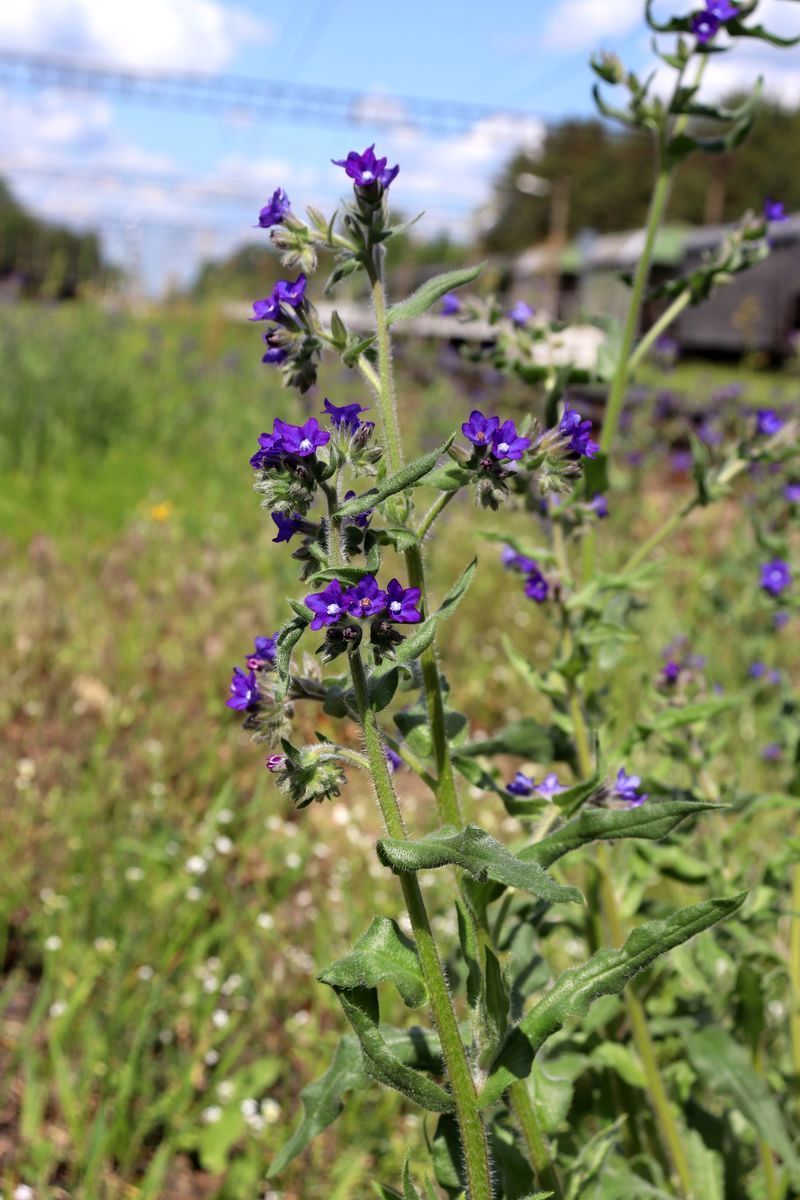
x,y
198,92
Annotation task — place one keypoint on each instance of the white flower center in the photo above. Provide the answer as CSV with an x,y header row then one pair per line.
x,y
395,606
502,447
305,444
333,610
367,176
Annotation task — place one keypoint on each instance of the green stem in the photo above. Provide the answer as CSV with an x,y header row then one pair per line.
x,y
335,555
446,790
465,1096
438,506
772,1187
654,332
616,397
655,539
534,1139
794,970
385,393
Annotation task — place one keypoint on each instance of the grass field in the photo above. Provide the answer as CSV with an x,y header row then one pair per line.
x,y
163,912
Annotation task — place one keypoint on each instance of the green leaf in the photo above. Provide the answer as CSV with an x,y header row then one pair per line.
x,y
525,738
469,952
348,575
480,855
677,718
607,972
725,1067
653,820
448,1157
449,478
288,638
409,1191
406,477
426,296
495,1003
708,1169
382,687
323,1100
423,635
383,952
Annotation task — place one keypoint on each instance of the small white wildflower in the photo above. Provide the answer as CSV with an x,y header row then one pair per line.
x,y
194,893
293,860
211,1058
210,984
57,1009
265,920
322,851
303,898
219,1018
223,844
225,1089
273,824
134,874
340,814
145,972
196,865
26,768
776,1009
231,984
302,1017
104,945
152,746
158,790
255,1123
166,1037
224,816
248,1107
270,1110
211,1115
23,1192
213,965
53,942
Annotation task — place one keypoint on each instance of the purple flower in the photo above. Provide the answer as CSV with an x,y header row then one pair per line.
x,y
285,291
366,170
772,752
402,603
521,785
579,433
302,440
328,606
344,416
450,304
275,210
537,587
627,788
704,26
781,619
479,429
264,653
723,10
287,526
775,576
775,210
774,676
366,599
244,691
599,506
275,762
768,422
757,670
792,493
275,353
518,562
670,672
393,759
363,519
681,460
521,313
549,787
506,443
269,453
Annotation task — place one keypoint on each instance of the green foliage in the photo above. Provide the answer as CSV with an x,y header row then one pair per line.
x,y
406,477
432,290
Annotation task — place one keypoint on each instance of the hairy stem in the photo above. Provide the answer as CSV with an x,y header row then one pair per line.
x,y
386,405
438,506
465,1096
535,1140
794,970
663,323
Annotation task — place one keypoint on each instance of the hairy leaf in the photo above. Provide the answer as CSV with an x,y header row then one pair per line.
x,y
653,820
408,475
432,290
480,855
525,738
382,953
606,973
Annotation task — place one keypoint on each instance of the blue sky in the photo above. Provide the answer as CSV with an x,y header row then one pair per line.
x,y
119,163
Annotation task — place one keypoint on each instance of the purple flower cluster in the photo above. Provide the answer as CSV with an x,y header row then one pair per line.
x,y
451,305
521,313
776,576
286,292
525,785
364,601
294,441
775,210
578,432
500,439
626,788
768,422
792,493
366,170
244,693
274,210
705,25
760,670
536,586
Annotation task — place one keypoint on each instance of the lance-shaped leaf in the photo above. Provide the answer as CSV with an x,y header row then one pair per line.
x,y
525,738
402,479
384,953
723,1064
480,855
323,1100
653,820
423,635
607,972
418,303
288,638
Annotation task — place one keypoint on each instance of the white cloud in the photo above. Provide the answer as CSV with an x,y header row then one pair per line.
x,y
201,35
576,24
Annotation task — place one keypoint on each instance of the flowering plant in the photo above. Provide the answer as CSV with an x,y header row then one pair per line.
x,y
346,489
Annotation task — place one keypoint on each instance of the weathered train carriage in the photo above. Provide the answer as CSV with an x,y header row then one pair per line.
x,y
758,310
